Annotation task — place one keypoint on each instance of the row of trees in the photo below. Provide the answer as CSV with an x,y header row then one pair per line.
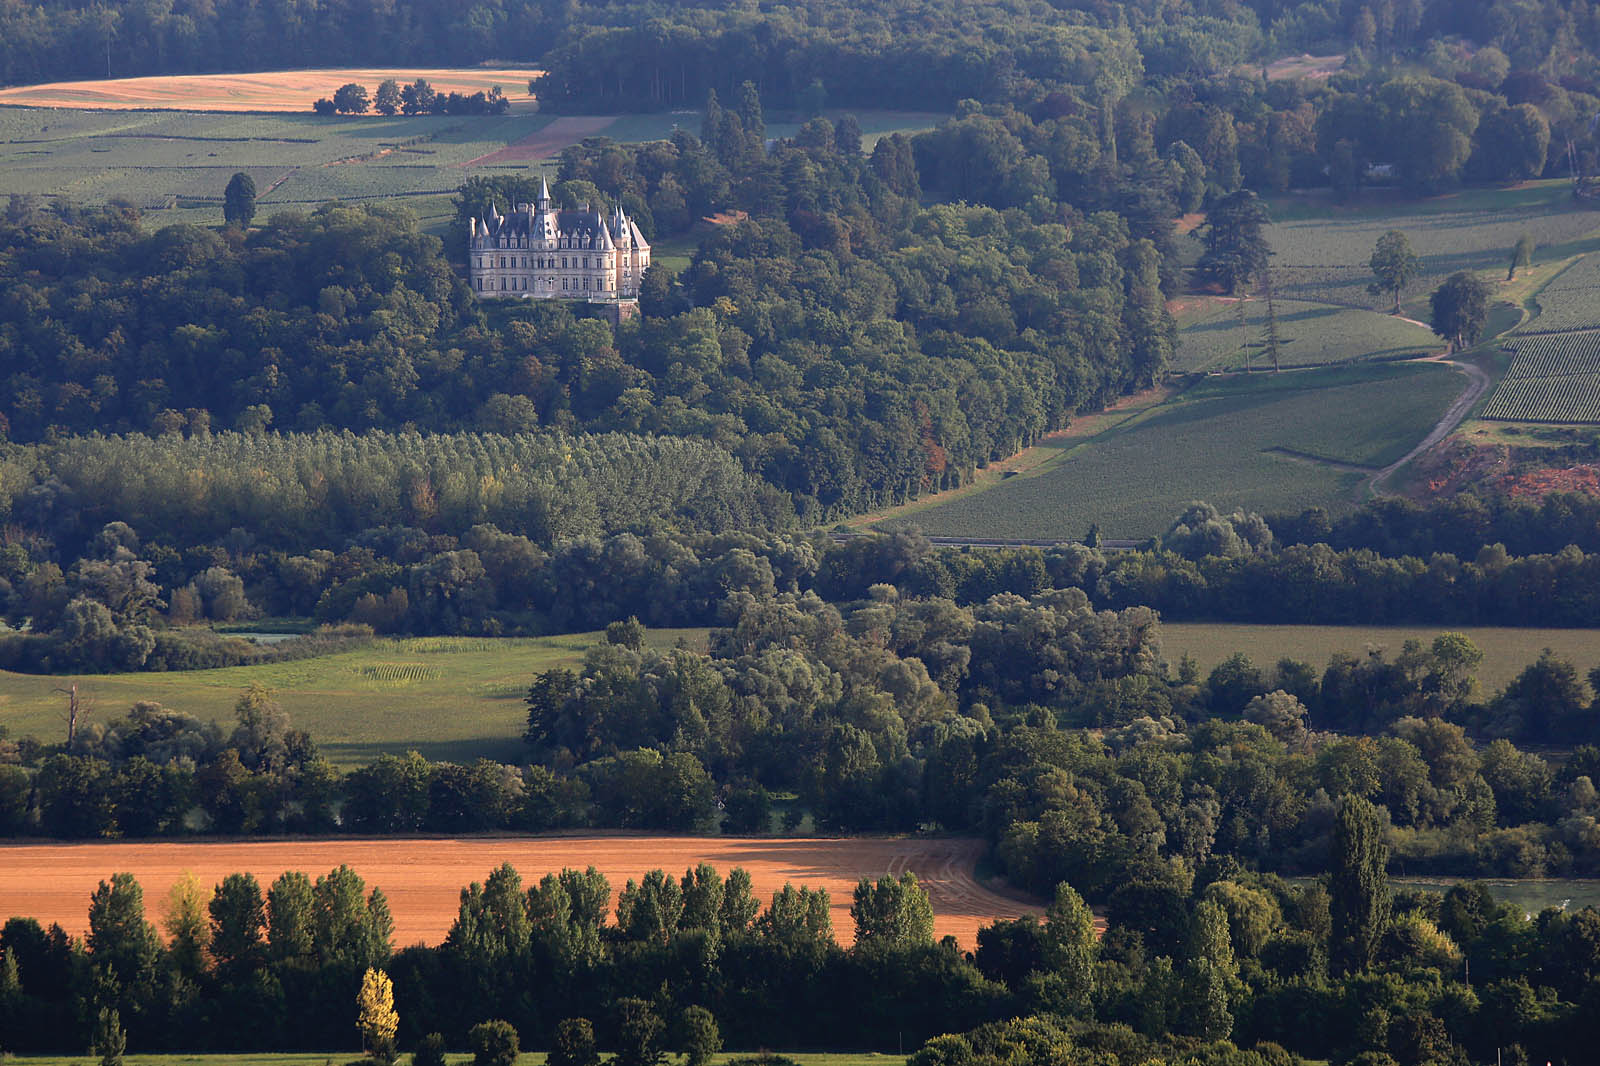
x,y
416,98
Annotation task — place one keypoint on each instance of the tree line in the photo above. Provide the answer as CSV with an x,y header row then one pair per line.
x,y
1239,969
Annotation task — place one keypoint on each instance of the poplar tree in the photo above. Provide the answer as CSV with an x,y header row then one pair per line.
x,y
1359,885
375,1015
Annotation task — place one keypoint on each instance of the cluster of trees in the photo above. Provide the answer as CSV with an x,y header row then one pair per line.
x,y
416,98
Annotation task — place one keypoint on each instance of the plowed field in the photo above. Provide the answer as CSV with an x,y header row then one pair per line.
x,y
286,90
422,878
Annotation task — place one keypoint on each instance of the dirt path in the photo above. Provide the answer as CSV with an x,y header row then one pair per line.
x,y
547,143
1477,384
423,878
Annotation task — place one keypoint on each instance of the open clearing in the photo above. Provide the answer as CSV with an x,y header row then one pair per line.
x,y
423,878
456,698
285,90
1266,442
1505,651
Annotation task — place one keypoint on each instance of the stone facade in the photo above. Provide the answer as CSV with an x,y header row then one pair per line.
x,y
539,253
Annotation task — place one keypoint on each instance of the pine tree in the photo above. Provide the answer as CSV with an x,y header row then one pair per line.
x,y
110,1041
1359,885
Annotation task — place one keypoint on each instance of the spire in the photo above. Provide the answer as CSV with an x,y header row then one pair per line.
x,y
544,193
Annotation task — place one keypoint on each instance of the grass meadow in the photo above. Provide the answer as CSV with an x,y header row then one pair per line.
x,y
1505,650
1266,442
455,698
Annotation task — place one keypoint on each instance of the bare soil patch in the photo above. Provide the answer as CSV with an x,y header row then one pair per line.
x,y
286,90
423,878
548,142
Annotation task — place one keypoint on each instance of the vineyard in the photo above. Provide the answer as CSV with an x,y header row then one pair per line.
x,y
1568,301
1554,378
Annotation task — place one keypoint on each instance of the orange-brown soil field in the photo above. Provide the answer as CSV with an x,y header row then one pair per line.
x,y
288,90
423,878
546,143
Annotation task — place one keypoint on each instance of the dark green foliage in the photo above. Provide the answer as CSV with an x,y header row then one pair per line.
x,y
1235,248
110,1041
493,1043
430,1051
574,1044
239,200
1459,309
698,1037
1358,884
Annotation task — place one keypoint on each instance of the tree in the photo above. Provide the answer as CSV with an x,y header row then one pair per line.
x,y
1359,885
494,1043
239,200
351,99
1521,256
110,1040
574,1044
639,1033
238,916
375,1015
430,1051
893,913
419,98
1070,947
1459,309
698,1036
387,101
1236,249
1394,265
185,923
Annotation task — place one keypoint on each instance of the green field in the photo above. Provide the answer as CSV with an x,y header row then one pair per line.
x,y
1555,377
1505,651
1309,335
1322,249
455,698
1267,442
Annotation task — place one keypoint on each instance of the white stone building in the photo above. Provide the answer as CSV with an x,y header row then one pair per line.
x,y
539,253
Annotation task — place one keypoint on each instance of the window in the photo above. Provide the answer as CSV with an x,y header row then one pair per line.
x,y
563,262
585,283
480,284
480,262
563,284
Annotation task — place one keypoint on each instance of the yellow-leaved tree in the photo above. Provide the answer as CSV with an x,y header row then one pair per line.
x,y
375,1015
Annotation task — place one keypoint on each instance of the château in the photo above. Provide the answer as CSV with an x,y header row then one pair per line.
x,y
539,252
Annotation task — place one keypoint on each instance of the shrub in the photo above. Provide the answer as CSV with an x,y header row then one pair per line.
x,y
493,1043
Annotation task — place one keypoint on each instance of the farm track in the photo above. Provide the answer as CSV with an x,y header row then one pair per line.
x,y
423,878
1477,385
